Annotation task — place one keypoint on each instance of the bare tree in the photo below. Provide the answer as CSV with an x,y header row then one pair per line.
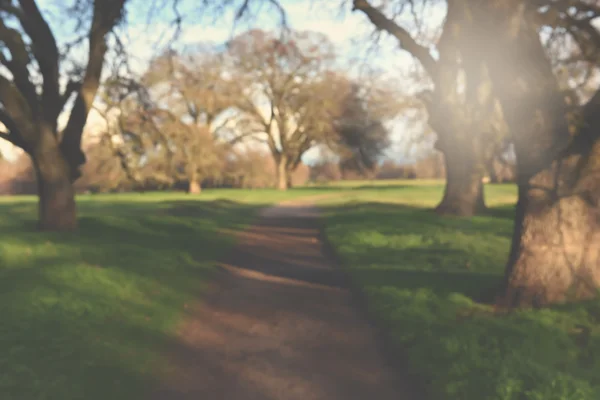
x,y
289,98
168,122
30,111
196,94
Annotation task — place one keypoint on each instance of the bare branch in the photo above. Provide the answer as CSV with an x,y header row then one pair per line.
x,y
18,64
46,53
405,40
106,14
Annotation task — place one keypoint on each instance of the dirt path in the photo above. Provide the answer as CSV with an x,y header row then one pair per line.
x,y
280,325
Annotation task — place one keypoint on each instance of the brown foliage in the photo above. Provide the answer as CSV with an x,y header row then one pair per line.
x,y
18,177
290,76
390,170
431,167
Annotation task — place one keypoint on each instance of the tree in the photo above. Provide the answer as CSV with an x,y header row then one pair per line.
x,y
32,94
288,99
325,171
103,171
170,120
362,136
30,111
196,95
555,255
460,109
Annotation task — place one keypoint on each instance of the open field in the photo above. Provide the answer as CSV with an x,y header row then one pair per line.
x,y
88,315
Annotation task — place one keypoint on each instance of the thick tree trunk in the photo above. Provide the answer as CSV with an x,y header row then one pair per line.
x,y
57,209
555,255
463,193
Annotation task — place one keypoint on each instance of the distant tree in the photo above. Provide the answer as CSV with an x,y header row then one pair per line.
x,y
431,166
249,168
169,122
325,171
32,95
391,170
103,171
362,135
17,176
287,100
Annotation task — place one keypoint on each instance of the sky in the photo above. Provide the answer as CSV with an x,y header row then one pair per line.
x,y
351,33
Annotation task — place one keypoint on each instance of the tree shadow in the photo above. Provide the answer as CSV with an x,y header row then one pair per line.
x,y
87,314
408,265
407,247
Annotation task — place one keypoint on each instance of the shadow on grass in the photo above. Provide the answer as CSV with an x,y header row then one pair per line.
x,y
87,314
422,276
409,247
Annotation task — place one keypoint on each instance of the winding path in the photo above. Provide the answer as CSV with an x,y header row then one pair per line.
x,y
281,325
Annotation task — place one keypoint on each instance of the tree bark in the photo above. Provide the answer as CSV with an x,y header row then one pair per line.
x,y
282,173
463,193
57,209
555,254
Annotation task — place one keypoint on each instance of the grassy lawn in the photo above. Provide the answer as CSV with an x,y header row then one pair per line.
x,y
87,315
90,315
427,279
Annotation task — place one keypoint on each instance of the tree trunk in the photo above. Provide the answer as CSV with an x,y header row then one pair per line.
x,y
492,171
57,209
282,174
194,187
555,254
463,193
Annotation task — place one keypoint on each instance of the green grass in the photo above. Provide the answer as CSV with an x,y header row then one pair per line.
x,y
429,280
89,315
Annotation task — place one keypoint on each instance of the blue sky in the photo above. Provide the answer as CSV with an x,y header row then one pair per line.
x,y
350,32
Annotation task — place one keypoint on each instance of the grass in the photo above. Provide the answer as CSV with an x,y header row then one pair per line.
x,y
89,315
428,281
